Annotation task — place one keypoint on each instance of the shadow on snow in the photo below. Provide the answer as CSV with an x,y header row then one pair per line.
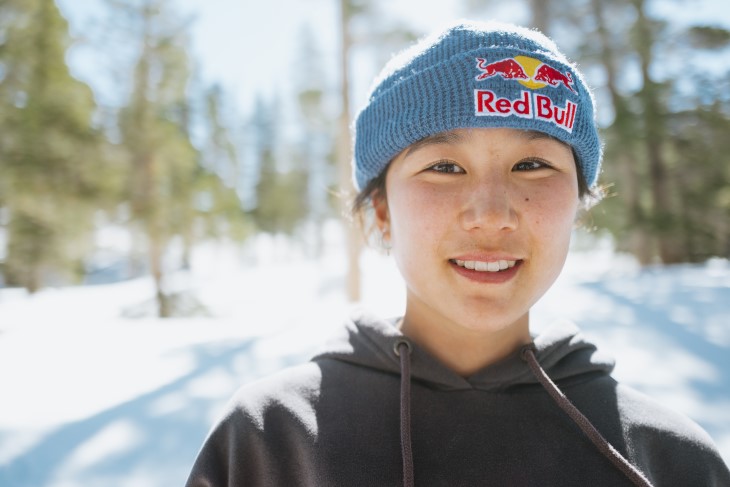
x,y
165,444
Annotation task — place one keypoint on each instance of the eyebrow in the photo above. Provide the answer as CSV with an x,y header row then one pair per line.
x,y
436,139
537,135
452,138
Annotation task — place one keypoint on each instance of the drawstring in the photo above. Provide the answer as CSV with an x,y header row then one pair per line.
x,y
403,350
633,474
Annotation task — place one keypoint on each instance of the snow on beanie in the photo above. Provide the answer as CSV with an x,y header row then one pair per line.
x,y
470,75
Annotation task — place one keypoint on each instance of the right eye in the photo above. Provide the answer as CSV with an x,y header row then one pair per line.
x,y
446,167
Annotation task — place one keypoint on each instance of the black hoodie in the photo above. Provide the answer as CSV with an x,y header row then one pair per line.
x,y
347,419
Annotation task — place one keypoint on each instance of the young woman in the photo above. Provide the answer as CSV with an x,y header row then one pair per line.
x,y
472,156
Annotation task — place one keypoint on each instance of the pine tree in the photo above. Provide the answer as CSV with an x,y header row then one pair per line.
x,y
154,126
50,152
218,205
661,200
281,190
182,166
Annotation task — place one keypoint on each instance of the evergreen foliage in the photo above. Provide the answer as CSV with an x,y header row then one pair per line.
x,y
665,155
51,157
63,173
281,191
174,189
217,205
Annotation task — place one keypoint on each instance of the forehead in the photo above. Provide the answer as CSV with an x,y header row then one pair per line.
x,y
459,136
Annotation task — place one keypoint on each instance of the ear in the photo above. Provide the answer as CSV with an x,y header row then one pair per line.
x,y
382,214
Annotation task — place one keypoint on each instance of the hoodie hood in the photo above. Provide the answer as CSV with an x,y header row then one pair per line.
x,y
561,349
559,353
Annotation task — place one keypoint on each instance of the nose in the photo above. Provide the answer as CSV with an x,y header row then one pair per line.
x,y
489,206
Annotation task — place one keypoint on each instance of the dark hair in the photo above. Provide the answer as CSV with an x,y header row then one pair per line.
x,y
363,199
375,186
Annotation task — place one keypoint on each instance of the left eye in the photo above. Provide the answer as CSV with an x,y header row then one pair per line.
x,y
530,165
446,167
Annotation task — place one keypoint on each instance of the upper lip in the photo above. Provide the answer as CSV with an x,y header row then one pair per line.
x,y
486,257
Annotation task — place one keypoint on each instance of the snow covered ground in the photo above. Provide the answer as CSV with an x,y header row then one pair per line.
x,y
95,392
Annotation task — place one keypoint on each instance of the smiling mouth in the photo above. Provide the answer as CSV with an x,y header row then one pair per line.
x,y
480,266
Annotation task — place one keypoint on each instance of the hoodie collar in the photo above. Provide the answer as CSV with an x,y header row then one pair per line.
x,y
368,341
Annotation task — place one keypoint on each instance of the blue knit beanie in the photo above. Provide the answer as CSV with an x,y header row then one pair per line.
x,y
476,75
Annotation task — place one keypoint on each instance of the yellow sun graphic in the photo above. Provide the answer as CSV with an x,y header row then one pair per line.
x,y
530,66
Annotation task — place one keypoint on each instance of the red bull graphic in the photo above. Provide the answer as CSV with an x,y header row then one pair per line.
x,y
530,72
553,77
506,68
528,105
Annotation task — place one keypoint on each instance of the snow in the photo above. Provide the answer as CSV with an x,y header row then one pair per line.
x,y
92,397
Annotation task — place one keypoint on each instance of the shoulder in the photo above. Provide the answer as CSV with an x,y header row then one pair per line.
x,y
266,433
647,419
290,392
302,394
670,448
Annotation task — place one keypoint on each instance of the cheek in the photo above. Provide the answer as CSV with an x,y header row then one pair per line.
x,y
554,217
551,212
551,221
417,215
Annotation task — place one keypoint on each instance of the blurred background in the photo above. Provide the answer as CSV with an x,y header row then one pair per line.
x,y
173,179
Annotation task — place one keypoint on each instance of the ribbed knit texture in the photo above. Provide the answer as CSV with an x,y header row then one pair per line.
x,y
432,88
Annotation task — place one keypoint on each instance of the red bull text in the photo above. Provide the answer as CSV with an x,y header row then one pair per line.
x,y
528,105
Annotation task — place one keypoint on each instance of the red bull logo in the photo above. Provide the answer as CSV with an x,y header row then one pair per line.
x,y
506,68
533,74
530,72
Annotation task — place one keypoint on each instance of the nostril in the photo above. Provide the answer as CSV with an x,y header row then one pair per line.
x,y
489,210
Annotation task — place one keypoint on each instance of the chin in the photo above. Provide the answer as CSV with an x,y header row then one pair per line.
x,y
489,322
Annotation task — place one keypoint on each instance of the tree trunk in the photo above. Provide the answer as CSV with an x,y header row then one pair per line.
x,y
145,199
540,15
344,153
155,255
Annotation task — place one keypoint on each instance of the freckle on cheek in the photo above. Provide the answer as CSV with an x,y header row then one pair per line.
x,y
527,199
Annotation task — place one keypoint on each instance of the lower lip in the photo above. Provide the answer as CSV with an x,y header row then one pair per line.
x,y
488,277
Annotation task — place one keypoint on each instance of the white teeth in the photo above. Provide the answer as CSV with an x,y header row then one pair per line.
x,y
480,266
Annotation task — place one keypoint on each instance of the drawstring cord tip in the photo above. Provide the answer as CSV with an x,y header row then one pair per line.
x,y
403,349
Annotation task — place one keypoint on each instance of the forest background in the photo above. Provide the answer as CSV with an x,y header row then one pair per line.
x,y
143,128
187,158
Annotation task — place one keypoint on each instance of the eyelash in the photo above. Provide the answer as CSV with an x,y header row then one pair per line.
x,y
535,163
450,164
540,164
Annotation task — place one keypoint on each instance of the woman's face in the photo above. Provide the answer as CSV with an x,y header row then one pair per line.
x,y
479,221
